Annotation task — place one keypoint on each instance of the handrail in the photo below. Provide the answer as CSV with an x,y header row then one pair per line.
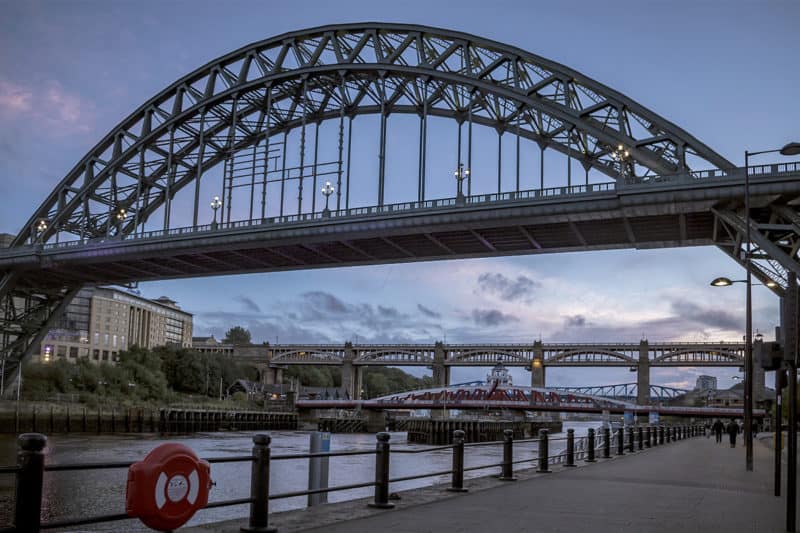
x,y
28,506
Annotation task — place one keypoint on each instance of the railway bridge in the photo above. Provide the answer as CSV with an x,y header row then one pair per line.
x,y
262,160
535,357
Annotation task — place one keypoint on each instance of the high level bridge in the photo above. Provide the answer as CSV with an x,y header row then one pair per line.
x,y
226,171
536,357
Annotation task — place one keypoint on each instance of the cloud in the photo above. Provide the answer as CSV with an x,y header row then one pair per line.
x,y
48,106
428,312
575,321
491,317
14,98
714,318
248,304
506,288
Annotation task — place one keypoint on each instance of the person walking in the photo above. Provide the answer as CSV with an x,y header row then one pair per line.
x,y
718,427
733,430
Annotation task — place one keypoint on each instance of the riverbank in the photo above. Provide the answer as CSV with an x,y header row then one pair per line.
x,y
54,419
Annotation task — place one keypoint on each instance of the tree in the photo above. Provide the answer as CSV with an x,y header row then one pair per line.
x,y
237,335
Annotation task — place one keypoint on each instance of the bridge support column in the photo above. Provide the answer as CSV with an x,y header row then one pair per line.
x,y
350,374
537,365
441,373
643,374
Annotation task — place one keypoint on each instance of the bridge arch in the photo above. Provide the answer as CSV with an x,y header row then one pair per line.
x,y
241,100
490,356
587,356
308,356
687,356
399,357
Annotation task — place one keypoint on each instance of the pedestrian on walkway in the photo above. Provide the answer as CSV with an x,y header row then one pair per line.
x,y
733,430
717,428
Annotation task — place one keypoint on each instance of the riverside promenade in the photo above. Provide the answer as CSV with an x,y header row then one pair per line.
x,y
690,485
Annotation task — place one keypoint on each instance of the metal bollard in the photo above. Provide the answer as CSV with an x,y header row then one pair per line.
x,y
660,435
630,439
590,447
544,452
30,461
640,437
507,473
259,487
570,447
647,442
381,500
457,484
668,434
621,441
606,443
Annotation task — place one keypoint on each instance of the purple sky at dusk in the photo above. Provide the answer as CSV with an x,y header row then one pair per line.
x,y
724,71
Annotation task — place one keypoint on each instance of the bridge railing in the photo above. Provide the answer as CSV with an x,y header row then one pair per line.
x,y
31,468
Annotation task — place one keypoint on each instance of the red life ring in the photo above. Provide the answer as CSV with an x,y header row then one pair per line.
x,y
167,487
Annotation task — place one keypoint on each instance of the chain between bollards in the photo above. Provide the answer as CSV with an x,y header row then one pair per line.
x,y
259,487
381,500
507,471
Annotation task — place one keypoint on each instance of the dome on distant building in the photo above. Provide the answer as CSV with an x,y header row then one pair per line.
x,y
499,374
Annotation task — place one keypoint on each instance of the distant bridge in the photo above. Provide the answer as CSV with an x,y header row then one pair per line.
x,y
626,391
482,397
536,356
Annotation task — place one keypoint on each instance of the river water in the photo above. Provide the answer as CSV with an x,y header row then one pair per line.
x,y
94,492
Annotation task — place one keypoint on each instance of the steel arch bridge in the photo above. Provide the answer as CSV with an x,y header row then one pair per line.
x,y
626,391
260,126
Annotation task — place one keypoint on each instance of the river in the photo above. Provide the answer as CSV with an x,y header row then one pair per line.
x,y
94,492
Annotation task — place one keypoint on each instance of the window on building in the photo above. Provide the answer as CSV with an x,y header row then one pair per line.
x,y
114,341
105,339
96,355
105,355
61,351
73,352
96,338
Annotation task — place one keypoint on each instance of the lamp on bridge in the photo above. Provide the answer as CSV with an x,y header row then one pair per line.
x,y
327,190
621,156
41,227
460,174
216,203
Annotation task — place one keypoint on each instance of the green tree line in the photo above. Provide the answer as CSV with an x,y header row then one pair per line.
x,y
142,375
376,381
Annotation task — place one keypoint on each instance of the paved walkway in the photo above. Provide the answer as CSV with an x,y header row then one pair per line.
x,y
687,486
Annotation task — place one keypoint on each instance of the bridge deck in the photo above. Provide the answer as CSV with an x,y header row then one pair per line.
x,y
692,485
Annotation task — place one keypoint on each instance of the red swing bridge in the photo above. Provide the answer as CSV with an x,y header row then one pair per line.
x,y
518,398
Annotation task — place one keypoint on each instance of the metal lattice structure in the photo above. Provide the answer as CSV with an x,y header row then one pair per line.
x,y
512,355
261,125
626,391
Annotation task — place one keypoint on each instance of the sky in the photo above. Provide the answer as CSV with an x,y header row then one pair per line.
x,y
725,71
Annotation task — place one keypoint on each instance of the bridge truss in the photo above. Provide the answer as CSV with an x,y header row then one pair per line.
x,y
262,125
626,391
512,355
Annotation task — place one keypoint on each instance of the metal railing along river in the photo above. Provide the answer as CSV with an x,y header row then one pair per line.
x,y
31,468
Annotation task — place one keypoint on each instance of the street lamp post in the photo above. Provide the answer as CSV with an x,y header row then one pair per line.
x,y
460,175
216,203
789,149
327,190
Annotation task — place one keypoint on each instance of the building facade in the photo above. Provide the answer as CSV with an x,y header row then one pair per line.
x,y
705,383
100,322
